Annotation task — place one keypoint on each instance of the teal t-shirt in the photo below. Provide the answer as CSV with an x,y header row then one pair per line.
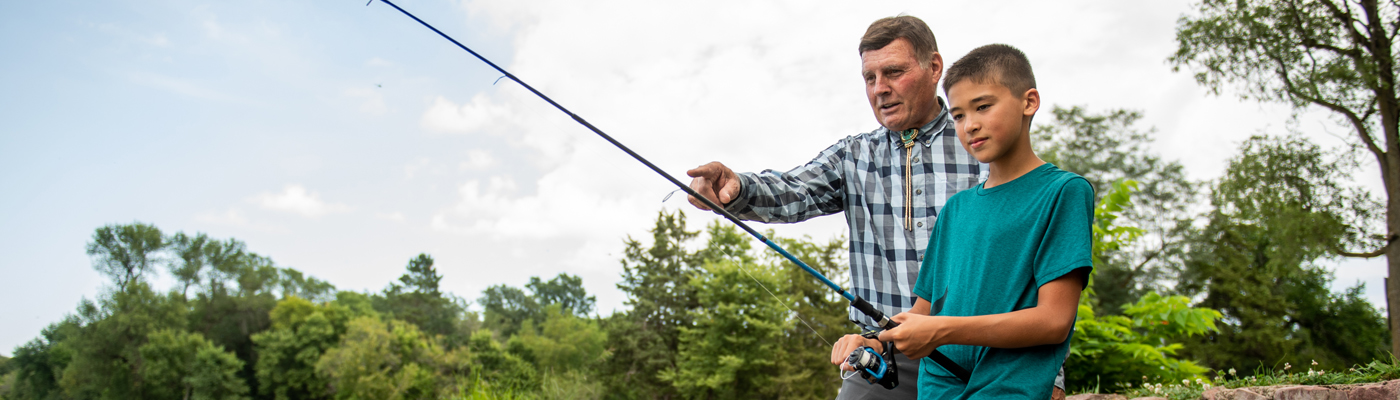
x,y
989,253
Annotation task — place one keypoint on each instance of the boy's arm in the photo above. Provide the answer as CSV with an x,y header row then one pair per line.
x,y
1049,322
849,343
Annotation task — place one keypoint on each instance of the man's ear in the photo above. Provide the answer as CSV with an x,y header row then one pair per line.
x,y
935,64
1032,102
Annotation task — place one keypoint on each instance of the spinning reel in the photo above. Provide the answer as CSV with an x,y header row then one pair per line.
x,y
875,367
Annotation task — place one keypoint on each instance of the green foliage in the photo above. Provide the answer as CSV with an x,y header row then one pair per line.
x,y
507,309
104,358
419,301
300,334
731,345
562,343
38,364
393,360
1115,350
565,290
498,368
1330,53
821,316
184,365
1335,55
1106,148
125,252
645,339
1277,209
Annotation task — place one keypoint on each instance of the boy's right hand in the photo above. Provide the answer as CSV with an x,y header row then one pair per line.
x,y
714,181
848,344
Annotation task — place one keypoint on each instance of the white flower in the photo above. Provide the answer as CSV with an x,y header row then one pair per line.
x,y
1286,366
1232,372
1314,362
1185,382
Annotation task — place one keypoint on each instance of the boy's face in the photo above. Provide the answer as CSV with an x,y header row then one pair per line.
x,y
991,120
903,94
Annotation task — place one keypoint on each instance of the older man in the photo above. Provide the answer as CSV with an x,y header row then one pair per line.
x,y
890,183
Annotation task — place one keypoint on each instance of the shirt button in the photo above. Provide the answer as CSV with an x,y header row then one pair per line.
x,y
918,191
916,159
921,224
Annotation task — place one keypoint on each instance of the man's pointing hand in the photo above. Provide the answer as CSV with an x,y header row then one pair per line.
x,y
714,181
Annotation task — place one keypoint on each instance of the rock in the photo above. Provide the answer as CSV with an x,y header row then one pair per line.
x,y
1149,398
1373,391
1094,396
1309,393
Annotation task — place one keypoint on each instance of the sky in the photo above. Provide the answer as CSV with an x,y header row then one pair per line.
x,y
342,139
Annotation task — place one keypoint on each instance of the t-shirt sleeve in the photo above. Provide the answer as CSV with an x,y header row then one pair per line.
x,y
1068,241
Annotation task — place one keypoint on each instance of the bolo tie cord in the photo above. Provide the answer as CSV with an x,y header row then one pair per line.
x,y
907,137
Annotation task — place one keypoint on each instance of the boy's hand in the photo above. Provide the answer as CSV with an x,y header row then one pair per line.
x,y
916,334
848,344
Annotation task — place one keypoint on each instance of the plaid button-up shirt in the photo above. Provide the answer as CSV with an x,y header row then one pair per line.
x,y
864,176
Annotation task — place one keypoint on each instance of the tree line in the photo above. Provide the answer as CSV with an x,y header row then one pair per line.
x,y
1179,289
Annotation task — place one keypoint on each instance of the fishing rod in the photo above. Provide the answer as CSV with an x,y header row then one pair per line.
x,y
879,370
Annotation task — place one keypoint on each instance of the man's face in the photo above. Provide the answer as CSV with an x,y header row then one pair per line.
x,y
990,119
902,94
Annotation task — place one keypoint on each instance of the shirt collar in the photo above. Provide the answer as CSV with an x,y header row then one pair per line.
x,y
929,130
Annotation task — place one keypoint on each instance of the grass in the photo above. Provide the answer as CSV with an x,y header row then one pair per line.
x,y
1376,371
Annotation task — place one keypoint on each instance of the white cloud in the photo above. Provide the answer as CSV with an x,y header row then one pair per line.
x,y
477,160
391,216
412,169
371,100
480,114
760,85
297,200
379,62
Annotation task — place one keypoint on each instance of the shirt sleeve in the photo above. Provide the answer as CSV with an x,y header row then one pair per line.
x,y
1068,241
812,190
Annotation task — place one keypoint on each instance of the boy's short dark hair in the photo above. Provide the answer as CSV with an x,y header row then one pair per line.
x,y
885,30
999,63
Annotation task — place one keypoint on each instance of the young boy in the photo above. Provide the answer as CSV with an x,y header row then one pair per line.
x,y
1000,281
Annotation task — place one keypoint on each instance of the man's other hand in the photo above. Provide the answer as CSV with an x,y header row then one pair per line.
x,y
848,344
714,181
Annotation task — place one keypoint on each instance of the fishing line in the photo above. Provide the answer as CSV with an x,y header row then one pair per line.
x,y
882,321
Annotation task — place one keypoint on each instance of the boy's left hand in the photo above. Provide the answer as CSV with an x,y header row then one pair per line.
x,y
917,334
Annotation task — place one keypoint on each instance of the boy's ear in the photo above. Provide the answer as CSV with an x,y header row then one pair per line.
x,y
1032,102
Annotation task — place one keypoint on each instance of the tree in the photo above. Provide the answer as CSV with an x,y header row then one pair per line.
x,y
125,253
184,365
1114,350
820,314
563,343
393,360
1105,148
732,346
190,260
644,341
103,352
39,363
417,299
506,309
565,290
1276,210
1335,55
301,332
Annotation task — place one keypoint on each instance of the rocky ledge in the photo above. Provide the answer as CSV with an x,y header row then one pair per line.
x,y
1389,390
